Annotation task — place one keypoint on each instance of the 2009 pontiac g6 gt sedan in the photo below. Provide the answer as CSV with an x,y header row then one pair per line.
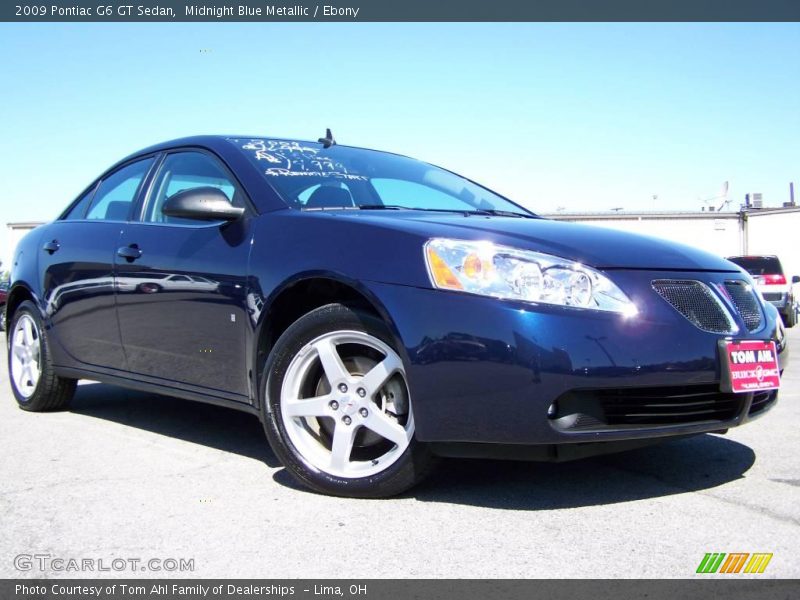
x,y
377,312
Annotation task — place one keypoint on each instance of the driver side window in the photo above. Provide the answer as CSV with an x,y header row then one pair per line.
x,y
184,171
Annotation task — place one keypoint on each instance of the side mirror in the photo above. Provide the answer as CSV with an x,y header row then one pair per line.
x,y
202,204
795,278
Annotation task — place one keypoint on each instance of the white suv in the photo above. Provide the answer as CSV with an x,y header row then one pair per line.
x,y
772,283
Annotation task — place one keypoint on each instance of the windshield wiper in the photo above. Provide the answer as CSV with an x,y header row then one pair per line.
x,y
463,211
458,211
383,207
496,212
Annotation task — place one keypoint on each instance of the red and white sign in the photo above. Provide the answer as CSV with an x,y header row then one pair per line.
x,y
752,365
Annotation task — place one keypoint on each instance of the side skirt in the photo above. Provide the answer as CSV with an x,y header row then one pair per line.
x,y
234,401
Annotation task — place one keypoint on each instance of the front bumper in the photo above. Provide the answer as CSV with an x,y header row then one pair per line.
x,y
482,370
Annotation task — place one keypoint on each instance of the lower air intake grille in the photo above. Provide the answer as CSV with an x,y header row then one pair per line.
x,y
761,401
744,299
696,302
616,409
666,407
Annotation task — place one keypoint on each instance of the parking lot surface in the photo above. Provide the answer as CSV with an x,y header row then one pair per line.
x,y
134,476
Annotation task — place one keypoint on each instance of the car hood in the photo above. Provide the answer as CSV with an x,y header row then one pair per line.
x,y
598,247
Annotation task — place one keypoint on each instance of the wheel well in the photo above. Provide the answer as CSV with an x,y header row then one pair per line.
x,y
298,300
16,297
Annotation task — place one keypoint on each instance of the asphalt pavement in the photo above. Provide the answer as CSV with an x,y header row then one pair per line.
x,y
125,478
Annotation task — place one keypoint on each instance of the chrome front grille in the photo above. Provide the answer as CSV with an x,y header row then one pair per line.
x,y
704,308
744,298
695,301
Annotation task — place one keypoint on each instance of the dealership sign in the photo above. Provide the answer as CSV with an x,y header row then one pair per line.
x,y
752,366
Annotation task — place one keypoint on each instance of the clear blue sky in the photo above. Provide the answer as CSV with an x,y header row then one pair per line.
x,y
581,116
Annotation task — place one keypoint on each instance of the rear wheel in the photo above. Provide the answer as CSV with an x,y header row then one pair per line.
x,y
337,409
33,380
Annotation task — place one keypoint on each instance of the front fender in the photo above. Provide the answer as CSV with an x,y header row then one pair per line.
x,y
362,288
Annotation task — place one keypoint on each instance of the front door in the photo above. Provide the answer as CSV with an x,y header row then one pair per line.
x,y
77,260
182,284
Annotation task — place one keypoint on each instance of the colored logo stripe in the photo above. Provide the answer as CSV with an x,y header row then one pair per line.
x,y
713,562
734,562
758,563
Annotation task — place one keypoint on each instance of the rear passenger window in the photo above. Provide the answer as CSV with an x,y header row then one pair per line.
x,y
78,211
116,193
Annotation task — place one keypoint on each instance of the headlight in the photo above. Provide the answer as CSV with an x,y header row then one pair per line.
x,y
503,272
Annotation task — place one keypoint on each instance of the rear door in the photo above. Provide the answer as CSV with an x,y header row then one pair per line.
x,y
183,284
77,260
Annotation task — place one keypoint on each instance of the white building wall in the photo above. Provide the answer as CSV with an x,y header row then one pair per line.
x,y
771,231
776,233
719,235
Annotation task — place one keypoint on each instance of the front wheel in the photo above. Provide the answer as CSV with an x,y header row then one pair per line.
x,y
33,379
337,409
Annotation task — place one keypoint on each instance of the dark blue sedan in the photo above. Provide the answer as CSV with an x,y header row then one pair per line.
x,y
376,312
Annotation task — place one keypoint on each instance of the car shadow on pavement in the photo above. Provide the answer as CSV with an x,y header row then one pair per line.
x,y
673,467
214,426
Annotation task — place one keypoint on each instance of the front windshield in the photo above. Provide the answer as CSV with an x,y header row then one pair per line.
x,y
309,176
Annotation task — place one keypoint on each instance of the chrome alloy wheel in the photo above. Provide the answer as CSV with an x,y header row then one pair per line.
x,y
26,355
345,404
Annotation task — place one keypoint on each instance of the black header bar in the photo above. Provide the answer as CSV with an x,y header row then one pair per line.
x,y
400,10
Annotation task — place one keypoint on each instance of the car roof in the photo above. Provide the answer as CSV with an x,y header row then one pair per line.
x,y
753,256
221,144
218,140
206,141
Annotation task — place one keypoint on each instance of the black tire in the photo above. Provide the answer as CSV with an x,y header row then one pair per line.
x,y
51,392
789,317
409,469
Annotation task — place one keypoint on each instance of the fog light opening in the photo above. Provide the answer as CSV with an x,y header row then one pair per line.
x,y
552,411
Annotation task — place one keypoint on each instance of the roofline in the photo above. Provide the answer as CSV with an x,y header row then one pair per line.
x,y
771,210
204,139
752,256
25,224
655,215
638,216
